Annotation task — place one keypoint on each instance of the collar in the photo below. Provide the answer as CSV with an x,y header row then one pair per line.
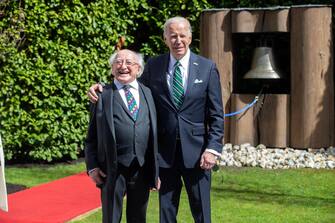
x,y
183,61
133,84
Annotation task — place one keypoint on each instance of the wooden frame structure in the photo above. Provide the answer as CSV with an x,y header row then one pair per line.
x,y
304,118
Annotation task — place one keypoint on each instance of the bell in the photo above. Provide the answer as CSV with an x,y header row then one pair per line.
x,y
262,66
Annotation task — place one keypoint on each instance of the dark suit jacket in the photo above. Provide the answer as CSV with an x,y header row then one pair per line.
x,y
200,118
100,145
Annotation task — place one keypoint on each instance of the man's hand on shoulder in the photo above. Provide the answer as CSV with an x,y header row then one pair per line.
x,y
92,92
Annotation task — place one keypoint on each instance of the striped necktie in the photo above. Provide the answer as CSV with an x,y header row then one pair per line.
x,y
132,106
177,86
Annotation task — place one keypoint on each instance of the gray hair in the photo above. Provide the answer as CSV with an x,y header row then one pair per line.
x,y
177,19
138,57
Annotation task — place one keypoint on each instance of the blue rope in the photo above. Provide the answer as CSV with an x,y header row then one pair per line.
x,y
243,109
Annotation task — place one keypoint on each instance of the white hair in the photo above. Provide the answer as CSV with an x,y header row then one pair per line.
x,y
138,57
177,19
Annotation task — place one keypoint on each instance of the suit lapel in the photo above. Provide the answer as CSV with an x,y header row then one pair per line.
x,y
163,76
145,96
151,106
107,100
193,70
119,100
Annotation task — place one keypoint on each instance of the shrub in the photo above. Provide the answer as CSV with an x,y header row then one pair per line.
x,y
51,52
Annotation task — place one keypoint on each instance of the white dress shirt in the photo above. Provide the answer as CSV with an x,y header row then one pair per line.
x,y
133,89
184,64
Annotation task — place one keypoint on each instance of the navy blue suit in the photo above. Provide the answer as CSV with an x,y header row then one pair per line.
x,y
184,134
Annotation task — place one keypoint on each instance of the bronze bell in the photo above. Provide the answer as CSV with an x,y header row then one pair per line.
x,y
262,66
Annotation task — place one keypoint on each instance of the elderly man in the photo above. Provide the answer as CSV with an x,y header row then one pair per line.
x,y
121,145
187,93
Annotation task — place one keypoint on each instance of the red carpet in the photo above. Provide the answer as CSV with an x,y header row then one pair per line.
x,y
53,202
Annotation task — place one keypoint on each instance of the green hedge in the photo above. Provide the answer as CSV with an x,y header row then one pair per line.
x,y
51,51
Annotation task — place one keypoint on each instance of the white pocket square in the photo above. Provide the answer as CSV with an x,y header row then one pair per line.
x,y
198,81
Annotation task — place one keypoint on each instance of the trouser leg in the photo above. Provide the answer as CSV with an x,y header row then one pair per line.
x,y
198,184
169,194
137,195
118,195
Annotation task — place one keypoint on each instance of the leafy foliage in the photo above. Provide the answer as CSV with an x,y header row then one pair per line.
x,y
151,42
51,51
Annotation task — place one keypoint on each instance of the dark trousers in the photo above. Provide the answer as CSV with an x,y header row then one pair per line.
x,y
132,182
197,183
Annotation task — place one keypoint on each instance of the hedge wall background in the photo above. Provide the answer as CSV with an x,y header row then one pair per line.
x,y
51,51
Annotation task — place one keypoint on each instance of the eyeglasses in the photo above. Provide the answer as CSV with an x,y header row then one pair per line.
x,y
128,63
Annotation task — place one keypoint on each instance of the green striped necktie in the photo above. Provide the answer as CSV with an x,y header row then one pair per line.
x,y
177,86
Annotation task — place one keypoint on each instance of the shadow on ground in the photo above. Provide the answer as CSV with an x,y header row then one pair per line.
x,y
12,188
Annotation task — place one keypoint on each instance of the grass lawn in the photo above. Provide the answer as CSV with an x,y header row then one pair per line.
x,y
238,194
30,174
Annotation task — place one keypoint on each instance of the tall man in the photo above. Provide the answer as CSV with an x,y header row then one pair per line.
x,y
121,146
187,93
